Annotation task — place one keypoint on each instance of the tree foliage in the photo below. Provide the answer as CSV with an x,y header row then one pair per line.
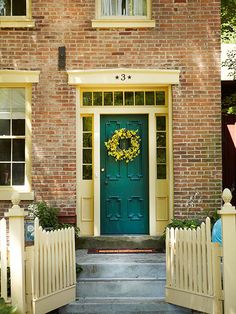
x,y
228,21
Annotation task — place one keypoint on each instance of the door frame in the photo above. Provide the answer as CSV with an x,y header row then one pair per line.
x,y
151,112
113,78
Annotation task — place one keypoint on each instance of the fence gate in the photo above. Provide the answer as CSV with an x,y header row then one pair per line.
x,y
50,270
193,275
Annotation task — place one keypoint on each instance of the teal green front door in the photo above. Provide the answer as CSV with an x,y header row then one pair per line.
x,y
124,186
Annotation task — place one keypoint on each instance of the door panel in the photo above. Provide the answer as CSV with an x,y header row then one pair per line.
x,y
124,186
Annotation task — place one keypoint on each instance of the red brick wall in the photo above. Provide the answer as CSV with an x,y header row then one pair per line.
x,y
186,37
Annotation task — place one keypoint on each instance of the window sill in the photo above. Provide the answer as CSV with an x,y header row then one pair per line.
x,y
104,23
16,24
6,195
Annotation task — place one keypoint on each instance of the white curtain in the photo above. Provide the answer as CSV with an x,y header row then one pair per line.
x,y
131,7
139,7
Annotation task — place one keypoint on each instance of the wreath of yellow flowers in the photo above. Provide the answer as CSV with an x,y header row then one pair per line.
x,y
113,145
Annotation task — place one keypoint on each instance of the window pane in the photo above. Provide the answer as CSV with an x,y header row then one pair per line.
x,y
129,98
87,99
18,7
161,139
18,174
87,172
118,98
149,98
124,7
97,98
108,99
87,123
4,127
160,98
18,100
4,99
5,174
5,7
161,123
87,156
18,127
5,150
87,140
139,98
161,155
161,171
19,150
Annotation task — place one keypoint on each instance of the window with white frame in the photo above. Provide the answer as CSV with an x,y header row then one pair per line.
x,y
15,13
12,137
13,7
124,7
117,13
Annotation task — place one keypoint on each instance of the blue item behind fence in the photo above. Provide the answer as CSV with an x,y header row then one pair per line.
x,y
217,232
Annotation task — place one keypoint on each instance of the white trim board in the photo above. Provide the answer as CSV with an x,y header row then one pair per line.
x,y
123,77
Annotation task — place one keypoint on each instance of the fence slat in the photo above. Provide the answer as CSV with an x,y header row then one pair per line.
x,y
199,260
209,257
67,258
177,257
190,259
63,232
204,260
73,261
194,248
181,258
185,260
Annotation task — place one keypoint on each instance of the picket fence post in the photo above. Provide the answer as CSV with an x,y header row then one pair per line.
x,y
228,217
16,217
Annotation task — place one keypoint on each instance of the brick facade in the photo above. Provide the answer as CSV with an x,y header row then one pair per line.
x,y
186,38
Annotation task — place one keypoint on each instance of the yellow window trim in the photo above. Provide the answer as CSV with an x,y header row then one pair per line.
x,y
11,79
19,76
124,21
6,195
127,23
17,23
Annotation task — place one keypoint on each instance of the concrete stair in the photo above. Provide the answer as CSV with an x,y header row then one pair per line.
x,y
121,283
113,242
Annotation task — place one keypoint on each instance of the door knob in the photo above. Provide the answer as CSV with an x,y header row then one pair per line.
x,y
102,170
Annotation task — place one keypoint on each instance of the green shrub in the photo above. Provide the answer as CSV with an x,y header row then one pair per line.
x,y
5,308
181,224
48,217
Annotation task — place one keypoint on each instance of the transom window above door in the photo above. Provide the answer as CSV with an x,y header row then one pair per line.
x,y
124,98
123,13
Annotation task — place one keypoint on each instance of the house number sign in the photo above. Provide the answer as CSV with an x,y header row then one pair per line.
x,y
123,77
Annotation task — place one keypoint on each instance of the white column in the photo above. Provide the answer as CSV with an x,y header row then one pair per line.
x,y
96,174
228,216
152,175
16,217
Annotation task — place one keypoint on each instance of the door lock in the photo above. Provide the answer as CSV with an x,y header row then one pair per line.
x,y
102,170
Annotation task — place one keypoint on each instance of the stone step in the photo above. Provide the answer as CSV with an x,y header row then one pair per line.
x,y
120,270
114,242
122,306
120,287
121,283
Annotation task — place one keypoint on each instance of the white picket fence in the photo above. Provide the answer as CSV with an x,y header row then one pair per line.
x,y
43,276
51,275
3,258
193,269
